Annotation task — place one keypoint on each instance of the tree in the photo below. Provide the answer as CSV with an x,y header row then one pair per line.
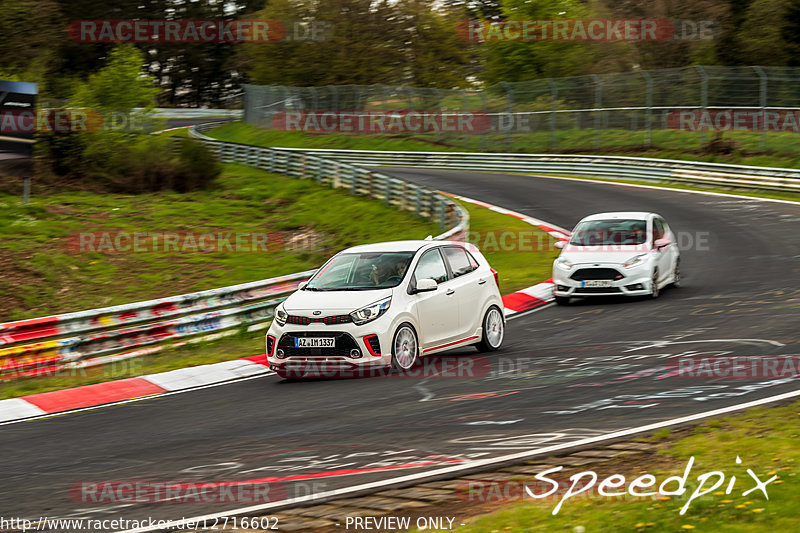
x,y
120,85
761,35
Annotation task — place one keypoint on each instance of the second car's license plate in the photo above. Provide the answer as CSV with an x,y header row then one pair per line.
x,y
314,342
598,283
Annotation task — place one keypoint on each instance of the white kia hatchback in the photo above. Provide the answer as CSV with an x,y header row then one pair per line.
x,y
386,305
622,253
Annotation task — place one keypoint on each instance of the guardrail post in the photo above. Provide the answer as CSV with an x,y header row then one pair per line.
x,y
762,89
649,104
509,111
387,183
418,203
553,109
598,103
703,98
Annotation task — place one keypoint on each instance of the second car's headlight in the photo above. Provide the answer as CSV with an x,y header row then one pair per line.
x,y
564,263
371,311
635,261
281,316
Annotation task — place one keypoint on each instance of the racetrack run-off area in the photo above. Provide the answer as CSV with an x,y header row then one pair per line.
x,y
563,373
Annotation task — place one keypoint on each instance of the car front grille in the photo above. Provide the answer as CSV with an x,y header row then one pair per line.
x,y
596,273
328,320
343,343
597,290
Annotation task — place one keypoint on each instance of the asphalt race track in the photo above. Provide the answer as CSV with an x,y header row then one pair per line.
x,y
563,373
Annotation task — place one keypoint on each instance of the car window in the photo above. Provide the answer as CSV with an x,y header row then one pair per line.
x,y
431,265
613,231
472,261
458,261
658,229
361,271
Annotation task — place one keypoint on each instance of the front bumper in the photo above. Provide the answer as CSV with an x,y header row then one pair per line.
x,y
633,282
350,356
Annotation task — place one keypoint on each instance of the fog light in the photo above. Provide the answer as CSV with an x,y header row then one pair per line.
x,y
635,287
355,354
280,354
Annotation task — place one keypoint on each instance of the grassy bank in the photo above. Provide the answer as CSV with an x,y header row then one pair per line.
x,y
782,148
47,270
518,268
764,438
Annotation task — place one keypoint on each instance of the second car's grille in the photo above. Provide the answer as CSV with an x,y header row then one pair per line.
x,y
596,273
596,290
305,320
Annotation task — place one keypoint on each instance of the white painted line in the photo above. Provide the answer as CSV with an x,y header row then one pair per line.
x,y
198,376
15,408
421,476
656,187
266,372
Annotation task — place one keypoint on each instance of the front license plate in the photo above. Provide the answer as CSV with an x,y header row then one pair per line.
x,y
314,342
598,283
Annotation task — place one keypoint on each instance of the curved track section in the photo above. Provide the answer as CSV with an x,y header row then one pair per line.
x,y
562,374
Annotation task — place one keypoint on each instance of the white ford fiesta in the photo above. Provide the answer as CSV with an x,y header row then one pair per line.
x,y
621,253
386,305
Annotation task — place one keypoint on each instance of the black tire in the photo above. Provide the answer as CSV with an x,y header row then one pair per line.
x,y
402,364
562,300
492,335
654,290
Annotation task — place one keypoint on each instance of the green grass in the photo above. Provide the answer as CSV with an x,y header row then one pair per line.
x,y
517,268
42,275
522,254
764,438
782,148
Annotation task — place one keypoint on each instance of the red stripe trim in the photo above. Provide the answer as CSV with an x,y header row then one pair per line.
x,y
450,344
519,301
91,395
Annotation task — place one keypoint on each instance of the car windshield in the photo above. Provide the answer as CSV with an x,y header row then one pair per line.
x,y
361,271
615,231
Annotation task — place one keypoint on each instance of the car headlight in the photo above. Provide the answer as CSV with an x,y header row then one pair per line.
x,y
371,311
564,263
281,316
635,261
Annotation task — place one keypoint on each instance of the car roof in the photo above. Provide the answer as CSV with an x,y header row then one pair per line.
x,y
633,215
392,246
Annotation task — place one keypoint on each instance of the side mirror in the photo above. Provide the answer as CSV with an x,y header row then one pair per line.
x,y
302,285
661,243
560,244
426,285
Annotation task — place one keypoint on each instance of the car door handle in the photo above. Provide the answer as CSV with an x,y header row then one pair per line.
x,y
449,292
481,282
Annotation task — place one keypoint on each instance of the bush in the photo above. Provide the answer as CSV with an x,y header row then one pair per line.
x,y
131,164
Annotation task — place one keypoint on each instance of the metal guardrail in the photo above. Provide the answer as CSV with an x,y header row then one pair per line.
x,y
606,167
36,346
342,174
192,112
